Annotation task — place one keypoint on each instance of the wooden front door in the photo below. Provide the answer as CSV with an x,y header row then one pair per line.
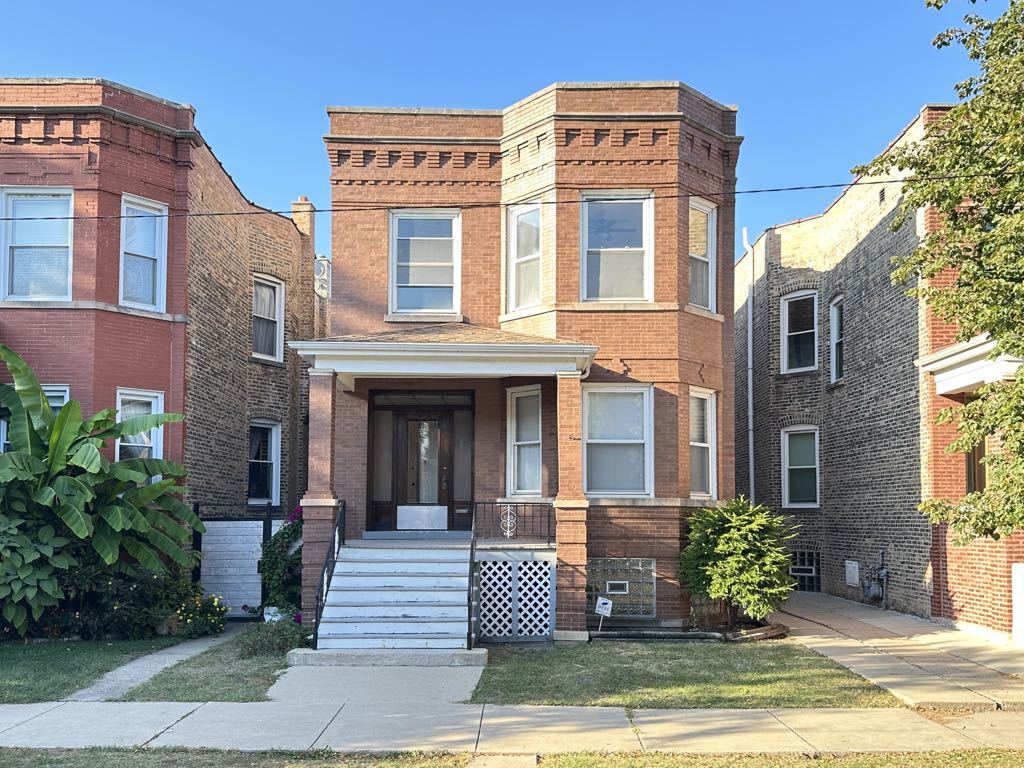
x,y
423,462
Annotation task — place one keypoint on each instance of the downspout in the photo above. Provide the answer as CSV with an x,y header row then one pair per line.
x,y
750,365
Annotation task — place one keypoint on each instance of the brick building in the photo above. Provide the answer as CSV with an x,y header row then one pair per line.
x,y
530,341
846,374
121,294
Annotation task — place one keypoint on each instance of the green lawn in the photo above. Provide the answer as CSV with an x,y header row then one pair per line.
x,y
218,674
167,758
50,671
664,674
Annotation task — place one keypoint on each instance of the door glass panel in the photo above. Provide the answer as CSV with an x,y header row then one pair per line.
x,y
462,463
424,448
383,424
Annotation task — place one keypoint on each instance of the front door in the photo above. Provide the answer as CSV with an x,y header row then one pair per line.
x,y
425,444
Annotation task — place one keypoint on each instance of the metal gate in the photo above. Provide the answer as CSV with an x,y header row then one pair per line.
x,y
517,600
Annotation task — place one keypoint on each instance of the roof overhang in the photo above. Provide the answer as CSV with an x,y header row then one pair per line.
x,y
968,366
353,360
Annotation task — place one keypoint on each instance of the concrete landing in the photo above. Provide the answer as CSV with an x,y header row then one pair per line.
x,y
388,657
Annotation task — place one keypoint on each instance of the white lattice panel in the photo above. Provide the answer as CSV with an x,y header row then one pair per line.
x,y
515,599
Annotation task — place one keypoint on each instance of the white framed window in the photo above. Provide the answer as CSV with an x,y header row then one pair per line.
x,y
798,318
617,254
703,444
523,471
618,444
424,270
264,462
56,395
523,283
36,237
144,445
836,332
143,254
267,318
703,226
800,452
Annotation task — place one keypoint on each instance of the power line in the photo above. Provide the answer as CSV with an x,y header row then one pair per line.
x,y
380,205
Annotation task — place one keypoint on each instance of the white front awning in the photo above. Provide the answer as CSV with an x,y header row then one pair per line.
x,y
361,358
968,366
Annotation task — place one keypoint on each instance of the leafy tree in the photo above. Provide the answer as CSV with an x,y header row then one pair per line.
x,y
970,169
737,553
57,487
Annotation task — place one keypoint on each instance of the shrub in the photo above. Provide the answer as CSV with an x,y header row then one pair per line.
x,y
200,616
272,639
737,553
280,564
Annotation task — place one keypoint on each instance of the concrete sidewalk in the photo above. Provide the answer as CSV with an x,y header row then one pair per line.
x,y
387,709
925,665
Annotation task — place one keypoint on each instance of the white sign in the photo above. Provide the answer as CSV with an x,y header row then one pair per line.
x,y
603,607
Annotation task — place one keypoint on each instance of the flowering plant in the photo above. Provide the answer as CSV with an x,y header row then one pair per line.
x,y
201,615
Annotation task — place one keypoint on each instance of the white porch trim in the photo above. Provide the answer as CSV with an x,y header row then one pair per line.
x,y
353,360
967,366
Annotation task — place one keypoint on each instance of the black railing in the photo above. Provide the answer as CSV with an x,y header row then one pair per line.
x,y
330,559
470,591
514,520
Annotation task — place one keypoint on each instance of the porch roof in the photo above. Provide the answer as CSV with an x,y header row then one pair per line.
x,y
444,350
968,365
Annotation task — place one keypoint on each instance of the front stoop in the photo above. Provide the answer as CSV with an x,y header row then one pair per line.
x,y
388,657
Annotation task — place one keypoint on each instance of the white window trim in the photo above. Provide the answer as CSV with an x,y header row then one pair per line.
x,y
275,457
6,194
645,196
648,392
425,213
711,404
712,211
57,389
834,338
512,254
160,209
279,289
799,428
511,468
784,327
157,433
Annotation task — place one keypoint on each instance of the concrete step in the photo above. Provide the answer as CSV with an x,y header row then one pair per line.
x,y
398,627
404,657
406,565
393,641
403,610
411,582
455,554
378,595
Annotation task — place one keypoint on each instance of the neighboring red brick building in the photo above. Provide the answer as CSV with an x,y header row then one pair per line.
x,y
531,307
121,294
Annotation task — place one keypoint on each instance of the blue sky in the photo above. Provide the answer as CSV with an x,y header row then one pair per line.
x,y
821,85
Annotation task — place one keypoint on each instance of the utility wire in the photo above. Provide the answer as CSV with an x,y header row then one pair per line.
x,y
379,205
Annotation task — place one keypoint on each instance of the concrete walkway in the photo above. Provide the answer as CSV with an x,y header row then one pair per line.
x,y
387,709
117,682
925,665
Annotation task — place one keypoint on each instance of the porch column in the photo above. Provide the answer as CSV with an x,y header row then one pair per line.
x,y
570,514
319,502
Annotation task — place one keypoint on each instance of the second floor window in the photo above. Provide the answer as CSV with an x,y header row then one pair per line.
x,y
524,257
702,254
836,334
36,240
267,318
143,253
424,262
617,247
799,320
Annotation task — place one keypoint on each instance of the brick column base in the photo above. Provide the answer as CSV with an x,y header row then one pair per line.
x,y
571,575
317,539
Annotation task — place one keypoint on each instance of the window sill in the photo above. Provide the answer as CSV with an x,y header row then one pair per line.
x,y
518,314
703,312
802,507
801,372
619,306
266,361
101,306
440,317
834,384
524,499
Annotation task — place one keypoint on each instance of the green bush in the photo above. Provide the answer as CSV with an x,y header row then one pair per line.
x,y
280,564
200,615
274,638
737,553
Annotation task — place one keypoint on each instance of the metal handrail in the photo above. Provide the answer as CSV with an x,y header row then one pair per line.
x,y
330,560
469,586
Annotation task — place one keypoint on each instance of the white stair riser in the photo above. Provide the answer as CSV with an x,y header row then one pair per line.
x,y
398,566
395,627
384,596
382,610
379,553
391,642
410,581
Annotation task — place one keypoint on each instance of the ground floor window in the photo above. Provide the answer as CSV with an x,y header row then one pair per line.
x,y
800,482
618,440
524,441
149,443
627,581
56,395
806,569
264,462
703,460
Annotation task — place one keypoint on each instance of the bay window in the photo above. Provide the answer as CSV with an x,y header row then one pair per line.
x,y
149,443
36,240
703,448
618,246
523,282
702,226
618,440
143,253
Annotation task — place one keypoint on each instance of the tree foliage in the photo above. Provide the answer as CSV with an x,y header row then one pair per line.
x,y
970,169
57,487
737,553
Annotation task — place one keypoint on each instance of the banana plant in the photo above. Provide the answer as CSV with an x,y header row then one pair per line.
x,y
57,485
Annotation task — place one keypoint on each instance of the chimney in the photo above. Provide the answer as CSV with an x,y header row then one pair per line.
x,y
303,214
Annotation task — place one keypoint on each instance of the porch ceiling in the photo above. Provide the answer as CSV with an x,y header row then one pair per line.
x,y
967,366
444,350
